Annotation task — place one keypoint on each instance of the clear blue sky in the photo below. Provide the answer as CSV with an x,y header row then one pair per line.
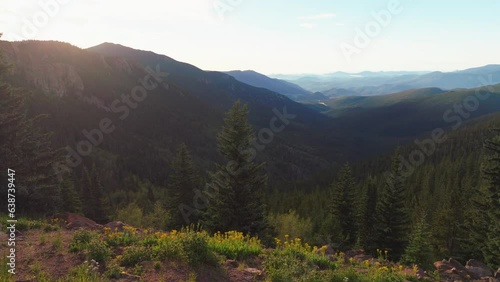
x,y
274,36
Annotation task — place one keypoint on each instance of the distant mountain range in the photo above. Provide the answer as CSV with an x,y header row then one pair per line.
x,y
380,83
323,87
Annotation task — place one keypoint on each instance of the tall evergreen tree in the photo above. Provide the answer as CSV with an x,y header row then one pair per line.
x,y
369,216
182,183
419,250
343,207
236,188
392,215
94,202
70,200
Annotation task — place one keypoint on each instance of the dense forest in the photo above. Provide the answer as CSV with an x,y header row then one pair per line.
x,y
421,203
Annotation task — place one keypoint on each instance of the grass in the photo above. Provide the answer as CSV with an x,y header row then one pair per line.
x,y
57,242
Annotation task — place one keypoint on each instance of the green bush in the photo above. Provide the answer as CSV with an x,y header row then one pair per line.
x,y
98,250
168,249
81,239
286,267
132,214
113,271
134,255
158,219
27,224
234,245
293,225
196,248
57,242
126,237
83,273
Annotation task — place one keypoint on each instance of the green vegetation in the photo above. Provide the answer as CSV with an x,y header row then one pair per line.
x,y
291,260
344,222
182,183
236,188
235,245
393,218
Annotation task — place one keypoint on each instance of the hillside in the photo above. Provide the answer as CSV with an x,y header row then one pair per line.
x,y
81,86
424,109
256,79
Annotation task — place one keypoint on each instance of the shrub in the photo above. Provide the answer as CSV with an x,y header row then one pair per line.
x,y
168,249
137,270
234,245
292,224
113,271
159,218
27,224
285,267
131,214
85,272
81,239
98,250
134,255
126,237
196,249
57,242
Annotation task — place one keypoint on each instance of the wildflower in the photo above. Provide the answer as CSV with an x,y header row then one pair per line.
x,y
415,268
367,263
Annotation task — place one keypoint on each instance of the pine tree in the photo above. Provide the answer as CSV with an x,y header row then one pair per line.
x,y
419,250
236,188
27,150
369,216
94,203
343,207
182,183
392,215
70,200
485,229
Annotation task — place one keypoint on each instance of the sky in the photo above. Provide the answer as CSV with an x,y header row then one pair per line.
x,y
274,36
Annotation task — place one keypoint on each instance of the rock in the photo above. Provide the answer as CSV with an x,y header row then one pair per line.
x,y
353,253
487,279
245,275
329,250
115,226
129,277
75,221
478,269
253,271
421,274
232,263
452,270
358,255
